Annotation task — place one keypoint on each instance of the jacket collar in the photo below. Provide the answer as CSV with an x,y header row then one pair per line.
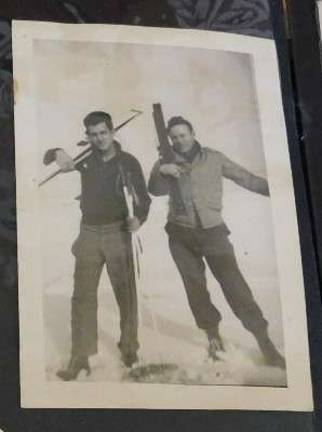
x,y
191,155
98,156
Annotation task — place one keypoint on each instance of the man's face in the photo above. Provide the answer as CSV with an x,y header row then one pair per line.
x,y
182,137
100,136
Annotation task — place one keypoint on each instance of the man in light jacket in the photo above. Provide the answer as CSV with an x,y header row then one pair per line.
x,y
199,234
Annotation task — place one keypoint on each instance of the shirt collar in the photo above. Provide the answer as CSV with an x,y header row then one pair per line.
x,y
98,155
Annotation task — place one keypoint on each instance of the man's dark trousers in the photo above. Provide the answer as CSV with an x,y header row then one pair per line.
x,y
189,248
95,247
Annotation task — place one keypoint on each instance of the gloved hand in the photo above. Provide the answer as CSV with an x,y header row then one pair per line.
x,y
64,161
172,170
133,224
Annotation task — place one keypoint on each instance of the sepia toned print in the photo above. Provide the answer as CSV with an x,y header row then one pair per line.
x,y
160,262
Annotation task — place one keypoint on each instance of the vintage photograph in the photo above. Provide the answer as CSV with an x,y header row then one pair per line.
x,y
157,235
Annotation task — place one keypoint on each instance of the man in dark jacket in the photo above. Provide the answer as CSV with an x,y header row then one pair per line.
x,y
104,239
199,233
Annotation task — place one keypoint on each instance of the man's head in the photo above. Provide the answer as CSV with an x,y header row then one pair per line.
x,y
99,129
181,133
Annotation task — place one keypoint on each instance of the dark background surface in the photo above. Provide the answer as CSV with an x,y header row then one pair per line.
x,y
306,61
242,16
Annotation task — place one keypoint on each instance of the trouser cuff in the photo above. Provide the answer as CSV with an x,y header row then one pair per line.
x,y
212,332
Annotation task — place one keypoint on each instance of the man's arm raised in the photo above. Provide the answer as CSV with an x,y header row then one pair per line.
x,y
244,178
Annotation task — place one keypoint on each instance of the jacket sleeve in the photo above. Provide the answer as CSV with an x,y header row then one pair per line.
x,y
244,178
158,184
142,200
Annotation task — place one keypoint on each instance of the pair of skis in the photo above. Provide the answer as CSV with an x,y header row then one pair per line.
x,y
142,371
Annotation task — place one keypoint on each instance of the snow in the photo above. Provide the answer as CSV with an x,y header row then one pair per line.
x,y
167,332
172,342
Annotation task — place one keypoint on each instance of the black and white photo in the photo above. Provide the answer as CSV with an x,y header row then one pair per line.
x,y
159,260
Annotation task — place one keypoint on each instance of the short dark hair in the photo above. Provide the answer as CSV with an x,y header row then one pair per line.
x,y
178,120
96,117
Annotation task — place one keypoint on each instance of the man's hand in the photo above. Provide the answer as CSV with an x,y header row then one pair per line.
x,y
172,170
133,224
64,161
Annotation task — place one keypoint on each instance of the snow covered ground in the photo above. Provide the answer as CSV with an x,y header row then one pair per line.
x,y
167,331
167,337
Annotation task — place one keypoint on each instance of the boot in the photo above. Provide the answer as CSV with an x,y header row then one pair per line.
x,y
75,366
272,356
215,343
129,358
